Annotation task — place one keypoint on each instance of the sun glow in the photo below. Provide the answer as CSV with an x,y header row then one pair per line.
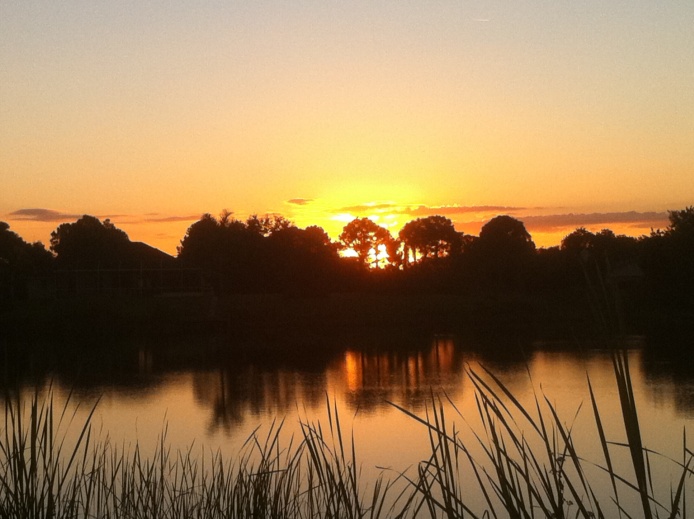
x,y
343,217
333,213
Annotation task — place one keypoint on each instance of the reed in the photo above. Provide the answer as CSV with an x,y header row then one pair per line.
x,y
42,475
529,465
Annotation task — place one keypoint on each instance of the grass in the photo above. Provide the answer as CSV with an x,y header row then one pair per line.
x,y
521,463
530,467
42,475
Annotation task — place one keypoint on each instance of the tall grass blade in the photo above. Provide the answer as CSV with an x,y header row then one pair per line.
x,y
603,444
632,429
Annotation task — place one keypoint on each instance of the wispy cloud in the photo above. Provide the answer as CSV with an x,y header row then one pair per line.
x,y
634,219
427,210
42,215
444,210
367,208
162,219
300,201
50,215
553,224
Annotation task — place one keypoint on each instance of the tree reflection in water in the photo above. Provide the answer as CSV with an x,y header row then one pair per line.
x,y
371,379
364,380
236,394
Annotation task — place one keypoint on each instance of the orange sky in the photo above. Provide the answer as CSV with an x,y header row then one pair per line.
x,y
561,114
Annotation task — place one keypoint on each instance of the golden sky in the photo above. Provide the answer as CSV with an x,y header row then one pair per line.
x,y
151,113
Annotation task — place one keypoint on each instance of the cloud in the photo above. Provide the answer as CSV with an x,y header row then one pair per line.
x,y
300,201
163,219
444,210
49,215
366,208
42,215
619,222
555,222
426,210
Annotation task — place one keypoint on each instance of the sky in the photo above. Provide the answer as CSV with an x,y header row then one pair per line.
x,y
560,113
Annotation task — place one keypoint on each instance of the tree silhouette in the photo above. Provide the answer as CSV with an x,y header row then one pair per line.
x,y
668,261
88,243
15,252
411,236
579,240
430,237
262,254
503,253
395,252
681,222
301,260
227,250
318,240
506,236
268,224
269,254
19,261
200,245
365,238
603,247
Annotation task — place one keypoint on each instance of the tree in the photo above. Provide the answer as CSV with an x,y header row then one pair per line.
x,y
268,224
300,260
89,243
365,238
668,261
430,237
16,253
19,261
506,235
229,252
682,222
503,253
412,237
578,240
202,240
262,254
318,240
395,252
604,246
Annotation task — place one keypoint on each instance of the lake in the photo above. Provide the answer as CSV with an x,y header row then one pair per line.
x,y
214,402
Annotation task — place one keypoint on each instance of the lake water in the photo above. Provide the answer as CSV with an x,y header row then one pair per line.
x,y
216,404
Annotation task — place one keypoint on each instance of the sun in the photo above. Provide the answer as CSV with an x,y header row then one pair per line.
x,y
385,204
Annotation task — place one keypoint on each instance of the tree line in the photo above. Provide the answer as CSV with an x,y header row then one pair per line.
x,y
269,254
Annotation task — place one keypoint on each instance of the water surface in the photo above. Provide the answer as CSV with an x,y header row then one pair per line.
x,y
212,401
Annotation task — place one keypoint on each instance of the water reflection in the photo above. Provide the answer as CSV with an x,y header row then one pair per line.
x,y
235,395
670,378
215,393
364,381
370,380
235,386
